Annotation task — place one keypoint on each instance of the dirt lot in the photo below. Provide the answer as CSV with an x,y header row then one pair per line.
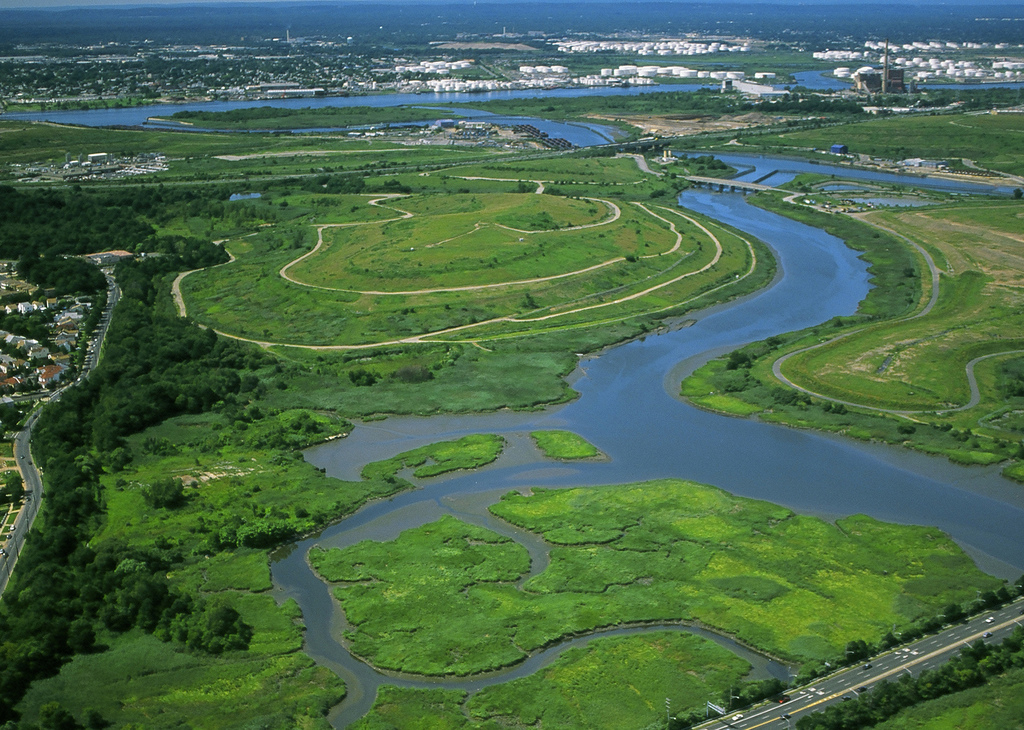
x,y
684,124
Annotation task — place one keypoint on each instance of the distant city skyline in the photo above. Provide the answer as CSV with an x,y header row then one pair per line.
x,y
41,4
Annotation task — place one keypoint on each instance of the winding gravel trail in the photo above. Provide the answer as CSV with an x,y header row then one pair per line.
x,y
431,336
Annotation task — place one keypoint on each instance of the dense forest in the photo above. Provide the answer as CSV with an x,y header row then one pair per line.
x,y
44,230
155,365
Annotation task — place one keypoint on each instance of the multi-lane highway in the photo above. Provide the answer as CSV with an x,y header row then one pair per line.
x,y
12,542
927,653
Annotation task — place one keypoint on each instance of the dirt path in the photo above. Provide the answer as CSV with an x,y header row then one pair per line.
x,y
320,236
179,300
641,162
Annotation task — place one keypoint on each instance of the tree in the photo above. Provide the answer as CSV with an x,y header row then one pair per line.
x,y
54,717
167,493
953,613
1018,193
856,650
13,490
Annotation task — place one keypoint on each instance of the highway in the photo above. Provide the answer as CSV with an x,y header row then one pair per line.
x,y
927,653
13,543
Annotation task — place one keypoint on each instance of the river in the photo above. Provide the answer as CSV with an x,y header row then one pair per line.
x,y
138,116
629,409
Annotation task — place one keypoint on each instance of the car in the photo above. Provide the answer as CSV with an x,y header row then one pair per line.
x,y
737,717
867,666
847,698
784,698
990,619
986,634
862,688
786,716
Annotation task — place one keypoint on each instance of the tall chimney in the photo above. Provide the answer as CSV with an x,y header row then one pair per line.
x,y
885,69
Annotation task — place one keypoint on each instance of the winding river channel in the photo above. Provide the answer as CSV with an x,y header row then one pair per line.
x,y
629,409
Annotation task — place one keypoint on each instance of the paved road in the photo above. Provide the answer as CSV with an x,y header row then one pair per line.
x,y
927,653
15,542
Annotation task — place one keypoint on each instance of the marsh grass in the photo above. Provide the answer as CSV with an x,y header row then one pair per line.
x,y
564,445
613,682
468,452
658,551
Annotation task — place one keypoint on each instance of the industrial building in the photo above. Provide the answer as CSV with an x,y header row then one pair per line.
x,y
889,81
870,80
746,87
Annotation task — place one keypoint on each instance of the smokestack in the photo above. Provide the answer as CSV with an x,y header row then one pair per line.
x,y
885,69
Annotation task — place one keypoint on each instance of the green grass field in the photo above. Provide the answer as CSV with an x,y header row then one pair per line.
x,y
657,551
474,267
221,156
593,171
307,118
994,141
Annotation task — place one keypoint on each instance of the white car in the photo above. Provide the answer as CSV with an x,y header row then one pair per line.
x,y
737,717
990,619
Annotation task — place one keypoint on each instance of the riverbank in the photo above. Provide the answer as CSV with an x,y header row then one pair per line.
x,y
950,416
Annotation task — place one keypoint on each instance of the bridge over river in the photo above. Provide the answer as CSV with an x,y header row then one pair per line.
x,y
732,185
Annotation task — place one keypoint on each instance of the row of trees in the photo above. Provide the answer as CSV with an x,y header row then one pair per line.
x,y
972,667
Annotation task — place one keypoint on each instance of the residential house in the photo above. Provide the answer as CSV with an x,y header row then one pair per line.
x,y
49,374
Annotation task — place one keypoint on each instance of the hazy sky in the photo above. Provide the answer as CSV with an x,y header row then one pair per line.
x,y
101,3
